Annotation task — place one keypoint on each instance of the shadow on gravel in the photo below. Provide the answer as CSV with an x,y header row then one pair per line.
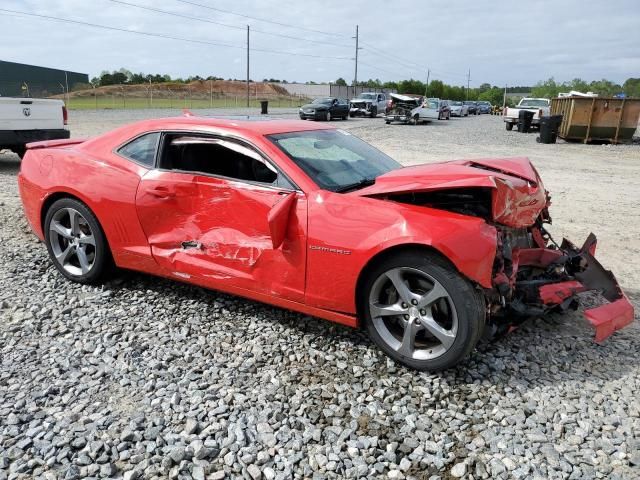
x,y
9,163
542,352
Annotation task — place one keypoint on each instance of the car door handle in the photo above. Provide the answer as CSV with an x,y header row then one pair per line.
x,y
161,192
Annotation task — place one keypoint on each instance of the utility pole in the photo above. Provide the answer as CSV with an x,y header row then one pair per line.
x,y
248,66
66,82
426,89
468,82
504,99
355,77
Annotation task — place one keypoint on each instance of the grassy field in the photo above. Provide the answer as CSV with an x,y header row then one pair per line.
x,y
119,102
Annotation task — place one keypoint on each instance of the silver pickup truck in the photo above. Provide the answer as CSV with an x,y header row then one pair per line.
x,y
368,104
539,106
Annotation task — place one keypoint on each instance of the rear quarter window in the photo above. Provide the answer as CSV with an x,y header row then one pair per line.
x,y
142,149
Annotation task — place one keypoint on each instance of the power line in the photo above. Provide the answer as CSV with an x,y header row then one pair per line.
x,y
377,68
410,64
392,56
259,19
236,27
170,37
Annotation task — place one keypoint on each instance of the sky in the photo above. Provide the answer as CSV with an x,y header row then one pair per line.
x,y
499,42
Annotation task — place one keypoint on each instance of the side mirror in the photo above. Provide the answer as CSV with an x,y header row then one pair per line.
x,y
278,219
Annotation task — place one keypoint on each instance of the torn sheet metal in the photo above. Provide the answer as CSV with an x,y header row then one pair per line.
x,y
533,281
220,231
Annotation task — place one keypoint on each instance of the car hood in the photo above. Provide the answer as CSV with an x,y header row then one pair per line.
x,y
315,106
517,193
361,100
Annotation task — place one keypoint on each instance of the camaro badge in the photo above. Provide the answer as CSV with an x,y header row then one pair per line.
x,y
330,250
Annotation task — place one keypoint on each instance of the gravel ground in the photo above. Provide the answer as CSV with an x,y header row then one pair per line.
x,y
146,378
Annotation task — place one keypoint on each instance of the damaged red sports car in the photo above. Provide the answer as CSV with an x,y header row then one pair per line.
x,y
426,258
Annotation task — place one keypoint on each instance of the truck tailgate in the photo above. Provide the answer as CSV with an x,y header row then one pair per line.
x,y
30,114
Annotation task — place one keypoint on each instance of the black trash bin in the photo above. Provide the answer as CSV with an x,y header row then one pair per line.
x,y
264,105
549,127
525,117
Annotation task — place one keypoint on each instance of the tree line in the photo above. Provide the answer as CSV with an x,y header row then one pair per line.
x,y
436,88
606,88
126,77
439,89
495,94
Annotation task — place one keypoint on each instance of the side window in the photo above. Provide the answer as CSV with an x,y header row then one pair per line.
x,y
216,156
142,150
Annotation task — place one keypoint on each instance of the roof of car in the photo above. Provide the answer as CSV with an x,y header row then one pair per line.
x,y
260,125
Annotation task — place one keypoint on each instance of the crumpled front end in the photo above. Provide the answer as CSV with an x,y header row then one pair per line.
x,y
360,108
534,276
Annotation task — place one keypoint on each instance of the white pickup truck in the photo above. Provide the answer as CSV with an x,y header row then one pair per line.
x,y
539,106
24,120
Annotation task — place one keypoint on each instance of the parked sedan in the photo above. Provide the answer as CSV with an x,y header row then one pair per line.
x,y
459,109
484,107
315,220
326,108
473,107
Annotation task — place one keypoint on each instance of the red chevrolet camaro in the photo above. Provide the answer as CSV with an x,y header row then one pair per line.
x,y
313,219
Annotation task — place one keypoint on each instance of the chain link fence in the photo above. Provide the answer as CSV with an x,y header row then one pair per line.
x,y
174,95
349,92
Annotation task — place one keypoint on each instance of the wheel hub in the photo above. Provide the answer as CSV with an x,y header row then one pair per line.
x,y
413,313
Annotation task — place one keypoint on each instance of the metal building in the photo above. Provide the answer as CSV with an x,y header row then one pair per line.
x,y
21,80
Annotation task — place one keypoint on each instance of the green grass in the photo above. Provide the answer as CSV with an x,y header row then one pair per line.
x,y
118,102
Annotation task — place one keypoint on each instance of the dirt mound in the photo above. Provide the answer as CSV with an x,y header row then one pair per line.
x,y
196,88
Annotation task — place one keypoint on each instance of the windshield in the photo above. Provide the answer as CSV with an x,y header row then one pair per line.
x,y
323,101
457,104
368,96
431,104
334,159
534,102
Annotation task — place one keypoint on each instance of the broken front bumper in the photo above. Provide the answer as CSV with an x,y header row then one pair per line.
x,y
540,280
360,110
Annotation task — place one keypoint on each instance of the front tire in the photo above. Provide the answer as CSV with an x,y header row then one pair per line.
x,y
374,112
508,126
327,116
421,312
75,241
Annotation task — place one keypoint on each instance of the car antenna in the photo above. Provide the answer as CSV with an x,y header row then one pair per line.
x,y
187,113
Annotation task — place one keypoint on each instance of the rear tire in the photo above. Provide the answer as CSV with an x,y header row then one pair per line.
x,y
443,311
508,126
19,151
75,241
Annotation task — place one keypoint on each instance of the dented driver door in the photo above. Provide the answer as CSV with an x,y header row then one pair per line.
x,y
216,232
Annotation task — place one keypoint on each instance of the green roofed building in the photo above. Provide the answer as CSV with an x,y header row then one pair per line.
x,y
21,80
